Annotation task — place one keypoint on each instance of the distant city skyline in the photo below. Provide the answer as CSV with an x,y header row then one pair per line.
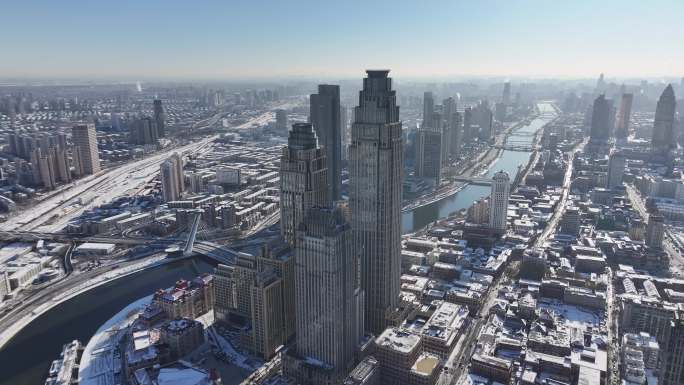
x,y
272,39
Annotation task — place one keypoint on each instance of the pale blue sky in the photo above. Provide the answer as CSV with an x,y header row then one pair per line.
x,y
274,38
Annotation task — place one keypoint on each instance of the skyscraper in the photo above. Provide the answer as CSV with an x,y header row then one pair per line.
x,y
375,178
616,168
623,117
498,201
281,120
599,135
655,231
673,359
325,117
328,297
85,143
506,99
159,118
468,134
663,138
428,109
449,118
428,162
303,179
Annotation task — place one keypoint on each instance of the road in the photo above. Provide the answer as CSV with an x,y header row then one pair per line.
x,y
675,257
560,209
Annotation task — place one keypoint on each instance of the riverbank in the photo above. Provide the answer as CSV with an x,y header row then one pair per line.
x,y
479,166
110,276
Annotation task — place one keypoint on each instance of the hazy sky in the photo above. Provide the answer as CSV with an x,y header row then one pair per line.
x,y
318,38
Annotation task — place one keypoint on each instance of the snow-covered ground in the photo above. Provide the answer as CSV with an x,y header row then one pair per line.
x,y
98,364
94,191
8,333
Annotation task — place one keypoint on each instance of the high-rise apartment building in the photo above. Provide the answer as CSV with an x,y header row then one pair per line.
x,y
328,297
159,119
85,144
172,179
616,169
324,114
376,179
624,116
303,179
498,201
143,131
468,134
663,139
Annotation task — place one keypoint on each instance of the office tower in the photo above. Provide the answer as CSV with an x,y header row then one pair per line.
x,y
663,139
616,169
673,360
428,109
485,121
303,179
325,118
468,135
328,297
456,134
599,135
655,231
449,118
143,131
346,134
498,201
506,99
281,120
85,142
159,118
172,179
428,162
623,117
375,179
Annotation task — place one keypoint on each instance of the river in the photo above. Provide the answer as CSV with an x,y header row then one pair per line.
x,y
509,161
27,357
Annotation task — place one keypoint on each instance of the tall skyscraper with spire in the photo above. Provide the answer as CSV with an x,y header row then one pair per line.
x,y
303,179
376,167
324,114
663,138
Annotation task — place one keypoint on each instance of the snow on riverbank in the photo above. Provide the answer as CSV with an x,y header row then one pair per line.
x,y
101,362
